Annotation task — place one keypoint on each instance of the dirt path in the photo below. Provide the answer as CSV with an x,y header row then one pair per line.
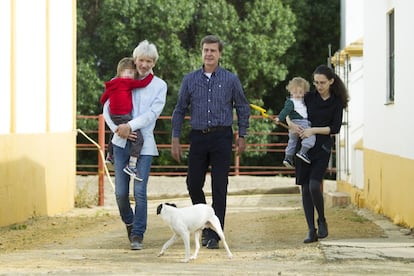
x,y
264,232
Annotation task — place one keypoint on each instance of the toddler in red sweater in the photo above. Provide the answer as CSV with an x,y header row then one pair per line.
x,y
119,93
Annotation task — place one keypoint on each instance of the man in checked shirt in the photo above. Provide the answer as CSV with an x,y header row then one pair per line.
x,y
210,93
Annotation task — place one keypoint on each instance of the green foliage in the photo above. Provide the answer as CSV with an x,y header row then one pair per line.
x,y
18,227
259,131
260,127
268,32
89,88
266,43
318,26
84,198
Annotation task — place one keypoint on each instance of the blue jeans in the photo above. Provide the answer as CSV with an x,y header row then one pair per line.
x,y
137,217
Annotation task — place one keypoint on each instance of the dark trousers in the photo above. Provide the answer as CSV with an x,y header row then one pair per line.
x,y
210,149
136,145
310,177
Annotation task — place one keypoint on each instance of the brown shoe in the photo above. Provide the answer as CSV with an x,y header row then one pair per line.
x,y
129,230
204,237
136,242
212,244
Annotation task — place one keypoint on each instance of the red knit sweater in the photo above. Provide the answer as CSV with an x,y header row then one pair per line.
x,y
119,92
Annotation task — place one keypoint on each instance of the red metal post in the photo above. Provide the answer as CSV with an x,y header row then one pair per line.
x,y
101,172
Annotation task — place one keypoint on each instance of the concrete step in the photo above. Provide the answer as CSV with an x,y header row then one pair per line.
x,y
336,199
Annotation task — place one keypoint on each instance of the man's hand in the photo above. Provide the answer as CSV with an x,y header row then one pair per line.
x,y
123,131
176,149
241,145
132,136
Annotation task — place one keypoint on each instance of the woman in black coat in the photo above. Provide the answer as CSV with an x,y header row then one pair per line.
x,y
325,109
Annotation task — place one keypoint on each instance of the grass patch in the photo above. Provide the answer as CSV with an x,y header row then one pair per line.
x,y
85,197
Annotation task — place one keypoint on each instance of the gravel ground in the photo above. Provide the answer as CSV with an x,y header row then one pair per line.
x,y
264,230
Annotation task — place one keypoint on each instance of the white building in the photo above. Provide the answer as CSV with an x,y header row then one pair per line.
x,y
37,107
376,163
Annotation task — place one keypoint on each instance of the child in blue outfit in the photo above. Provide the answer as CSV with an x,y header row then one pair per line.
x,y
295,108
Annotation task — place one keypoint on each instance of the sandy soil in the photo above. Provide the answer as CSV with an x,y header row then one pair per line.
x,y
264,232
263,228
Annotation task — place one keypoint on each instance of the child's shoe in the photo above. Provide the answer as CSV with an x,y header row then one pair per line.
x,y
109,162
132,172
288,163
304,157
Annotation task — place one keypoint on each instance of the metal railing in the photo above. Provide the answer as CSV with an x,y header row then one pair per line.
x,y
93,141
238,166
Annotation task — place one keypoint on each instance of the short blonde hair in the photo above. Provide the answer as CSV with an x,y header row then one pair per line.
x,y
298,82
125,63
146,49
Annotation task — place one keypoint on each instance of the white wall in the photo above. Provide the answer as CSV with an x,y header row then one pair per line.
x,y
388,128
355,117
42,69
5,67
30,78
37,108
350,163
354,19
62,78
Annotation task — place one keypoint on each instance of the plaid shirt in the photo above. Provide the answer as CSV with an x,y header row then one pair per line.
x,y
211,101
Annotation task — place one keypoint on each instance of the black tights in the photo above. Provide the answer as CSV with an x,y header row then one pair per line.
x,y
312,198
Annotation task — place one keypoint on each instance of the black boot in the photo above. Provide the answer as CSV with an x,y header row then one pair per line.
x,y
312,237
323,228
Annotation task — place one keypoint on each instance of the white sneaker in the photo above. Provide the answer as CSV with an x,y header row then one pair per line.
x,y
132,172
288,164
304,157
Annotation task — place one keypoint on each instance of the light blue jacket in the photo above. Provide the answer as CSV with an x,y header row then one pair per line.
x,y
148,103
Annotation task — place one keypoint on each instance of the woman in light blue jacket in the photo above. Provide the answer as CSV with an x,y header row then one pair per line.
x,y
148,103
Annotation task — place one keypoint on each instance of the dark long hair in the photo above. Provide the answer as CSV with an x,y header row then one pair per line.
x,y
338,87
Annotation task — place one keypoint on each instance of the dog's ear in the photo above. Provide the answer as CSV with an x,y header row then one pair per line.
x,y
171,204
159,209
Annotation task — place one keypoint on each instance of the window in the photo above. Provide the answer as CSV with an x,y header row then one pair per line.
x,y
391,56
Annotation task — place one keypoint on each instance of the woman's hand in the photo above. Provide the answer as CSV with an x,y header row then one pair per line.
x,y
305,133
294,128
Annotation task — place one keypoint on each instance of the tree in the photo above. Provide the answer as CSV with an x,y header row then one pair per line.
x,y
266,42
318,25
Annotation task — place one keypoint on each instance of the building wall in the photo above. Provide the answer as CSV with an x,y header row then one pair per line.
x,y
388,149
384,122
389,186
388,154
350,69
352,20
38,108
348,63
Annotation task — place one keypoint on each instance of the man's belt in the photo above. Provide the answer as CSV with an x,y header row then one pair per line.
x,y
215,129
